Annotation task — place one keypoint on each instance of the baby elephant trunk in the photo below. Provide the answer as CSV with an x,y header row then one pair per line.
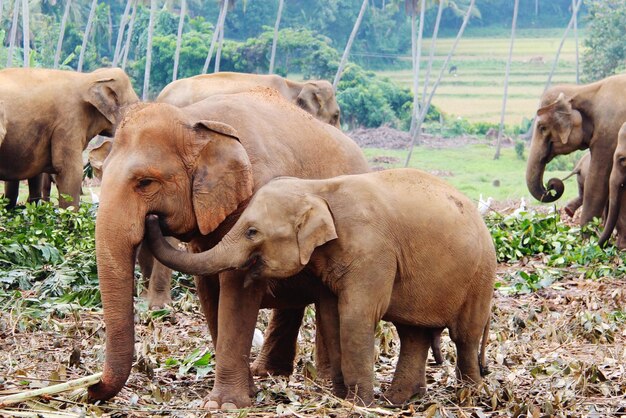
x,y
209,262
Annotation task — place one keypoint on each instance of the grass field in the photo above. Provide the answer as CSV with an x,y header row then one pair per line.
x,y
475,91
472,169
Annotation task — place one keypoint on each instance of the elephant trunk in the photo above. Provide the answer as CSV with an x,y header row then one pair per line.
x,y
116,261
207,263
615,199
534,182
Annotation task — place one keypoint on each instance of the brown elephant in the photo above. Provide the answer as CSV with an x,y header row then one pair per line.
x,y
399,245
578,117
317,97
196,167
615,216
51,116
581,171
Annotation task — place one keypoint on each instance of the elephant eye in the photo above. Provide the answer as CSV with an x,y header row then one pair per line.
x,y
251,232
145,183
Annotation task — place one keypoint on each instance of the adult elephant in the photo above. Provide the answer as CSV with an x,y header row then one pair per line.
x,y
196,167
616,214
51,115
578,117
317,97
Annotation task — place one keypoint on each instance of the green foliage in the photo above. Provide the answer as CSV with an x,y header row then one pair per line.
x,y
49,252
605,50
519,149
560,247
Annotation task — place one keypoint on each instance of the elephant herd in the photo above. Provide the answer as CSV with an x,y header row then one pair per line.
x,y
280,211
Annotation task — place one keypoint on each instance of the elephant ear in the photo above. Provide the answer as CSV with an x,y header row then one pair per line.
x,y
103,96
315,227
310,99
222,175
97,156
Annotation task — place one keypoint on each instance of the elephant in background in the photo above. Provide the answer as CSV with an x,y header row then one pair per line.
x,y
615,216
399,245
581,171
315,97
50,117
578,117
197,167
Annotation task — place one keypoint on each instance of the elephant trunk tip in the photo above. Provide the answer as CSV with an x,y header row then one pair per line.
x,y
104,390
554,190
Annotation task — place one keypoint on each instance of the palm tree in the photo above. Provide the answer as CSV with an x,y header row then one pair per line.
x,y
346,52
120,33
506,80
558,51
16,13
179,37
26,32
92,13
275,40
66,13
416,46
129,35
219,27
424,109
146,76
220,31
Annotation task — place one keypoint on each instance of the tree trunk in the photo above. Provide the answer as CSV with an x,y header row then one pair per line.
x,y
146,74
179,37
431,56
218,54
575,14
129,35
417,64
66,13
506,80
92,13
424,109
346,52
120,34
26,32
536,8
275,40
558,51
216,33
16,14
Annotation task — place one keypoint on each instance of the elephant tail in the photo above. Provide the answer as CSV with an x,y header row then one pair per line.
x,y
482,360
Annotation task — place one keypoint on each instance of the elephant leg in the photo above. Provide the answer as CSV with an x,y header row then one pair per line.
x,y
596,189
34,187
46,187
466,334
279,348
576,202
328,322
208,289
435,345
322,360
410,376
157,277
11,192
237,315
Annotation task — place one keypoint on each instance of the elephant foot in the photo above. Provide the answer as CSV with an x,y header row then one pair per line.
x,y
228,399
263,367
569,211
158,300
401,395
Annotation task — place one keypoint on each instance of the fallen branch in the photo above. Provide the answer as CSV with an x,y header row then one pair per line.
x,y
36,413
61,387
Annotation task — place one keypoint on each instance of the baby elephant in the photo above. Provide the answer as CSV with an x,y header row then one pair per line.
x,y
399,245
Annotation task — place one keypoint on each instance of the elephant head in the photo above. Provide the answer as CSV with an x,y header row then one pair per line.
x,y
558,130
274,237
192,173
318,98
616,188
108,92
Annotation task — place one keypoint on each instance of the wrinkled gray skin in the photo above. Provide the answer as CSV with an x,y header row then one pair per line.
x,y
50,117
616,216
365,236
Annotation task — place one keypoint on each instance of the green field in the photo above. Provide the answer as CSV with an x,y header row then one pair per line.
x,y
472,169
476,91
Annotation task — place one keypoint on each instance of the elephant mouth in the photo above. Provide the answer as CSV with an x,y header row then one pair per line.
x,y
254,263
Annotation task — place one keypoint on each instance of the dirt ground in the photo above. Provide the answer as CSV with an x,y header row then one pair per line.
x,y
559,351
